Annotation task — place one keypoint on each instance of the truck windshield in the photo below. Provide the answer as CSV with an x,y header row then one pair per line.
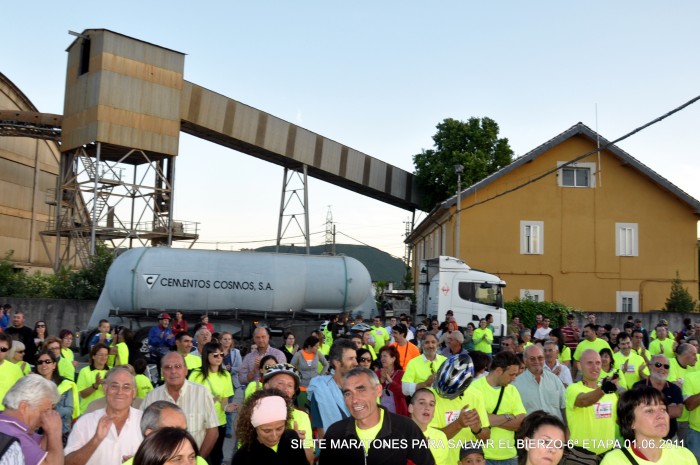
x,y
481,293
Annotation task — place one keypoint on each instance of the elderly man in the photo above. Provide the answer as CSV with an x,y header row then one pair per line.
x,y
202,336
160,339
194,399
110,435
420,371
592,409
553,365
381,432
658,379
325,396
540,389
250,367
509,343
505,407
454,344
28,406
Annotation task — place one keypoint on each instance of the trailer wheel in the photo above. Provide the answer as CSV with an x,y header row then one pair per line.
x,y
141,340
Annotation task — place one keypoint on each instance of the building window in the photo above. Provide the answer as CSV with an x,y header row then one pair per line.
x,y
576,175
626,239
627,302
532,237
535,295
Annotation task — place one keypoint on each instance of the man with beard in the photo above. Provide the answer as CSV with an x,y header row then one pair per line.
x,y
420,371
324,392
24,334
383,437
658,379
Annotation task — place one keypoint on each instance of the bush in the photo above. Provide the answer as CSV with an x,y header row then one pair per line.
x,y
84,284
526,309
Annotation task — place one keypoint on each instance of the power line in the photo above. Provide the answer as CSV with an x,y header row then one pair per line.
x,y
587,154
365,244
253,242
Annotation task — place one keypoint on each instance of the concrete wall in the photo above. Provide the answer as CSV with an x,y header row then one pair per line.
x,y
58,313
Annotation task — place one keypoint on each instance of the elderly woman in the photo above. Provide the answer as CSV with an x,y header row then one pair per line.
x,y
644,422
16,356
263,433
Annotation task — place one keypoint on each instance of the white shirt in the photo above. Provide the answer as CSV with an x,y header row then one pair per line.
x,y
196,401
114,447
564,373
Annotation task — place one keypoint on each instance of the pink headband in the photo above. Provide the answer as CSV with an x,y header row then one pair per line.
x,y
267,410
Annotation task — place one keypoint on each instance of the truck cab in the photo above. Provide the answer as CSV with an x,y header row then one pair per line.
x,y
448,283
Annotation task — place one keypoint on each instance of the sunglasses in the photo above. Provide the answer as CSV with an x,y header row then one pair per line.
x,y
365,359
267,367
4,349
44,362
659,365
216,354
41,326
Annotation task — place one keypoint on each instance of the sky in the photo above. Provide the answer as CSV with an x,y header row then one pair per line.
x,y
378,77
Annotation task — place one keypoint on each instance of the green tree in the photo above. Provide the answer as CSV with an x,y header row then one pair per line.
x,y
473,144
680,299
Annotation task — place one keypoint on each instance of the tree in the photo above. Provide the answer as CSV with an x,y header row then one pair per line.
x,y
473,144
680,299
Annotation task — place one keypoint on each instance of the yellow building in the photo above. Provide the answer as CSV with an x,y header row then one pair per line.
x,y
605,233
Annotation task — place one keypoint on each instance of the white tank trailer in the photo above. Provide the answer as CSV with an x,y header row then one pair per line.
x,y
231,287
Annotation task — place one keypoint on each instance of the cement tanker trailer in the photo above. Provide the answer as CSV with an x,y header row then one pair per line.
x,y
237,290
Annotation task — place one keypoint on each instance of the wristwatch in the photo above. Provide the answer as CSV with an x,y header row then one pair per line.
x,y
508,417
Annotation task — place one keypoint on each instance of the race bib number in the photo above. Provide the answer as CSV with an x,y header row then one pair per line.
x,y
451,416
603,409
631,368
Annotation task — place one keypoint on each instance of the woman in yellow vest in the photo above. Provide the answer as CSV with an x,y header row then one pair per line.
x,y
213,376
91,378
16,356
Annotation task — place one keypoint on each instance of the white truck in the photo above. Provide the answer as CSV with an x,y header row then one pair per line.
x,y
237,290
447,283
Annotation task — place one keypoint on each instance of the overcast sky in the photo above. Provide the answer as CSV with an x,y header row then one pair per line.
x,y
379,76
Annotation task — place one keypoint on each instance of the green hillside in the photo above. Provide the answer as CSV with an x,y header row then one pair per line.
x,y
381,265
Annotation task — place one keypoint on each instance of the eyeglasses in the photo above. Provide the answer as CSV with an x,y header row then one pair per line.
x,y
177,366
4,349
216,354
44,362
659,365
53,348
365,359
116,387
267,367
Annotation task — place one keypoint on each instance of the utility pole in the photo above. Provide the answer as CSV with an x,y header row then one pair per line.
x,y
459,169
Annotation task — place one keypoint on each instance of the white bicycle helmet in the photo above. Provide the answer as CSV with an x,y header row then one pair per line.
x,y
284,368
454,376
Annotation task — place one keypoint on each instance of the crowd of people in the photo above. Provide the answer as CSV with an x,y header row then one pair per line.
x,y
387,392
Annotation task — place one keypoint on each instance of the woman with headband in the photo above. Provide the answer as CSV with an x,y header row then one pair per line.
x,y
263,434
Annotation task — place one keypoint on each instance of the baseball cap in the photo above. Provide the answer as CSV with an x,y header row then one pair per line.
x,y
164,316
422,328
469,449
